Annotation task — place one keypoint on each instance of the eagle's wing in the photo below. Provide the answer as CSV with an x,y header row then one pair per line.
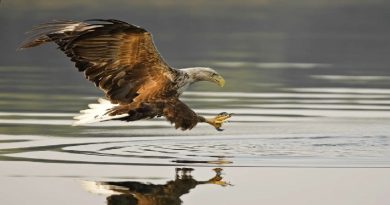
x,y
118,57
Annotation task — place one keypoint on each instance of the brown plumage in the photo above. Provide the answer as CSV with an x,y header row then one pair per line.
x,y
121,60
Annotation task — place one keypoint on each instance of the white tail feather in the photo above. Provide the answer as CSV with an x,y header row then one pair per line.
x,y
96,113
100,188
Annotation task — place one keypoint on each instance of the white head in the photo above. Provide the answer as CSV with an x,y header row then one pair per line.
x,y
204,74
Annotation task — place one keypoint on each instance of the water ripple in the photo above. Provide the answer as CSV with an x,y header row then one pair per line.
x,y
271,150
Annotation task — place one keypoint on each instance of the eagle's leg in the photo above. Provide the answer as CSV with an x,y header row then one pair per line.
x,y
217,179
217,121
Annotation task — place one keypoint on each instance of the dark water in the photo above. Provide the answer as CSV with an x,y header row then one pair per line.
x,y
308,82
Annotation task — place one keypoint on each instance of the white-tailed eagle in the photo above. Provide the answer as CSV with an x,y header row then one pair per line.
x,y
122,60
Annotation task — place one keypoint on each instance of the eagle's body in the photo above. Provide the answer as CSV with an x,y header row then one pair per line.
x,y
121,60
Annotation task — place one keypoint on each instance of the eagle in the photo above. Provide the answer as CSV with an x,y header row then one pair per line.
x,y
122,60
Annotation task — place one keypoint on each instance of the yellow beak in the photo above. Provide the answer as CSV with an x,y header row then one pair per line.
x,y
219,79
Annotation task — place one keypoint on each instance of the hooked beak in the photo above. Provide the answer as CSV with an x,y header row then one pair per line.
x,y
219,80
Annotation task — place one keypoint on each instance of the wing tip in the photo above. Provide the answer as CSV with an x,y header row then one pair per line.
x,y
29,44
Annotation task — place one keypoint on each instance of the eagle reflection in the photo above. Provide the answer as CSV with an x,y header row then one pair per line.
x,y
138,193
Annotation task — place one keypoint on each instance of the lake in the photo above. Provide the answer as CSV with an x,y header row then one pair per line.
x,y
308,83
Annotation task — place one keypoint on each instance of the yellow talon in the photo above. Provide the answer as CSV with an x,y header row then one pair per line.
x,y
218,120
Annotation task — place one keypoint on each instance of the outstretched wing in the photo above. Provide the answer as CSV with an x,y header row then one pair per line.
x,y
118,57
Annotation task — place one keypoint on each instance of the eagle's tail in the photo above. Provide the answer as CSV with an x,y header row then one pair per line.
x,y
101,188
97,113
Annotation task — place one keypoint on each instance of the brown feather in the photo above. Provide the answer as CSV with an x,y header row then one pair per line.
x,y
180,114
108,45
122,60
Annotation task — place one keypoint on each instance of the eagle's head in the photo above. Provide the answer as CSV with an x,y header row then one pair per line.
x,y
204,74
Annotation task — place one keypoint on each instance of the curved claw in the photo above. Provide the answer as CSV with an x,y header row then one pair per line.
x,y
218,120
